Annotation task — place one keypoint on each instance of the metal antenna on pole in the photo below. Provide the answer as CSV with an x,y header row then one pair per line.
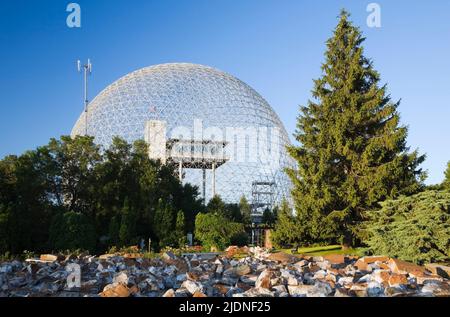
x,y
87,68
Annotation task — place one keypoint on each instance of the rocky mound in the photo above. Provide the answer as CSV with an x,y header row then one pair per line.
x,y
257,273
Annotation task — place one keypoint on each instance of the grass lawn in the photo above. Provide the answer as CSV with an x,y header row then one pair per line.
x,y
326,250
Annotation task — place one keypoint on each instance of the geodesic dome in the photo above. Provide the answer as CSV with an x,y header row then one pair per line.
x,y
182,94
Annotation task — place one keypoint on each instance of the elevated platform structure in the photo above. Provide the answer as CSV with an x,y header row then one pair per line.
x,y
263,197
186,153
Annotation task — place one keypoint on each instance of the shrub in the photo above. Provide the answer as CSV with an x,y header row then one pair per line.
x,y
71,231
446,183
415,228
214,230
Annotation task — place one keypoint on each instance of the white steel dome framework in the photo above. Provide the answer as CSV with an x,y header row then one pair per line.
x,y
190,98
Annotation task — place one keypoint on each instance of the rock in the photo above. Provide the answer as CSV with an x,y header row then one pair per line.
x,y
199,294
222,288
300,264
373,259
289,277
436,288
241,270
231,251
219,269
360,289
345,280
365,278
51,258
403,267
374,289
437,269
182,292
193,276
397,280
115,290
331,278
263,280
6,268
132,256
192,286
395,291
336,260
169,293
423,278
342,292
320,274
381,276
279,289
320,289
256,292
121,278
259,275
299,290
249,279
168,256
89,287
361,265
106,256
282,257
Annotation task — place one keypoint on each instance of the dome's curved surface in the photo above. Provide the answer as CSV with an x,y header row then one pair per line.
x,y
180,94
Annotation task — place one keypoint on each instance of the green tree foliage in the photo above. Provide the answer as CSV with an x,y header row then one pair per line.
x,y
214,230
246,210
230,212
415,228
72,231
269,217
216,205
118,189
287,228
353,150
180,229
24,207
164,224
128,222
447,178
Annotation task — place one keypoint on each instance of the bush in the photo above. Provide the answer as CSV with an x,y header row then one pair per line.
x,y
446,183
71,231
415,228
214,230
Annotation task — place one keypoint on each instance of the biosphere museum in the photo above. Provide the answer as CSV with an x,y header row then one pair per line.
x,y
219,132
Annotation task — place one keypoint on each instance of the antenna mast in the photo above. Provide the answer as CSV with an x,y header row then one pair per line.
x,y
87,70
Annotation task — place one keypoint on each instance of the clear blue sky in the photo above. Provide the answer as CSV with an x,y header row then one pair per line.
x,y
276,46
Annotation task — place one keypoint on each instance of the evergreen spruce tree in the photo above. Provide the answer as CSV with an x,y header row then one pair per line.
x,y
447,178
164,222
286,227
180,228
246,210
127,231
353,150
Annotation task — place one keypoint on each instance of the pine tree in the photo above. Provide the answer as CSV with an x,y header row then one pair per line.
x,y
180,227
353,150
286,230
447,177
164,222
127,231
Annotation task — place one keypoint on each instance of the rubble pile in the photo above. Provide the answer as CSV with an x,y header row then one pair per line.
x,y
239,272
